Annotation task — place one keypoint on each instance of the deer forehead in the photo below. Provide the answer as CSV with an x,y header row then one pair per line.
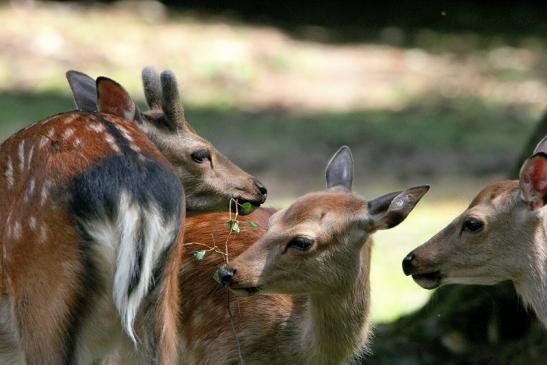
x,y
496,194
321,208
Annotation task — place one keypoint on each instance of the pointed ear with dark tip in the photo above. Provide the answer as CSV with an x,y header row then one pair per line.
x,y
84,90
541,146
113,99
152,87
170,101
339,172
533,180
391,209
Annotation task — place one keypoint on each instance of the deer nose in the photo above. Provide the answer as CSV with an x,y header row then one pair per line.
x,y
225,274
407,263
261,187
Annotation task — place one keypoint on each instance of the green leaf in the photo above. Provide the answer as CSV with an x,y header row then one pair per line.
x,y
246,207
233,225
199,255
252,224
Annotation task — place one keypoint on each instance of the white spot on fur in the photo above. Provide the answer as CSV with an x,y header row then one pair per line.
x,y
69,120
77,142
21,154
68,133
17,231
135,148
8,173
96,127
30,190
29,156
43,141
125,133
112,143
44,194
32,223
43,233
51,132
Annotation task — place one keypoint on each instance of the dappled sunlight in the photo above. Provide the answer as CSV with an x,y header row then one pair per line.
x,y
229,64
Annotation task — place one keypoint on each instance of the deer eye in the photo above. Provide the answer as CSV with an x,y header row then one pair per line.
x,y
300,243
472,225
200,156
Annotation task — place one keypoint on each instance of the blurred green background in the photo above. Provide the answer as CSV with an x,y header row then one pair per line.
x,y
443,94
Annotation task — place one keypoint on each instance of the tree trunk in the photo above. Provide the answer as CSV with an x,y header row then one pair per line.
x,y
467,324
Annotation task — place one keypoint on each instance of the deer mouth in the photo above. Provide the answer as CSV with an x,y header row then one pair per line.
x,y
244,292
429,280
244,206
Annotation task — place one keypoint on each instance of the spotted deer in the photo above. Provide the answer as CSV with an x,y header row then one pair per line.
x,y
502,235
300,279
210,180
90,212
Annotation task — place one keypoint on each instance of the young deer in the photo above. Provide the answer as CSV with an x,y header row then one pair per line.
x,y
310,261
210,180
90,210
502,235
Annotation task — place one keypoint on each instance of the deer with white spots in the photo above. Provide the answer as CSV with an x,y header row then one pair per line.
x,y
502,235
210,180
301,278
90,212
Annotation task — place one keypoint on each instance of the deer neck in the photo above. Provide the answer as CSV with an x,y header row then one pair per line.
x,y
532,286
335,326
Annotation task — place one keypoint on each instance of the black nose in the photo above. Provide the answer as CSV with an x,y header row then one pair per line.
x,y
225,274
261,187
407,263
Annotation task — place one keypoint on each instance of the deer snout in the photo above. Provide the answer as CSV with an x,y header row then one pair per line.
x,y
225,274
261,188
408,263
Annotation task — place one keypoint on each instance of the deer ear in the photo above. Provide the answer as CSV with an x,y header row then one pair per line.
x,y
339,172
533,180
391,209
84,90
541,146
113,99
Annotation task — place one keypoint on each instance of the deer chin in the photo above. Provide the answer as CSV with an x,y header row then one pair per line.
x,y
254,205
430,280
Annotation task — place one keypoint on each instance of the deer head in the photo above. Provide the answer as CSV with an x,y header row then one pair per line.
x,y
312,246
500,236
210,180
